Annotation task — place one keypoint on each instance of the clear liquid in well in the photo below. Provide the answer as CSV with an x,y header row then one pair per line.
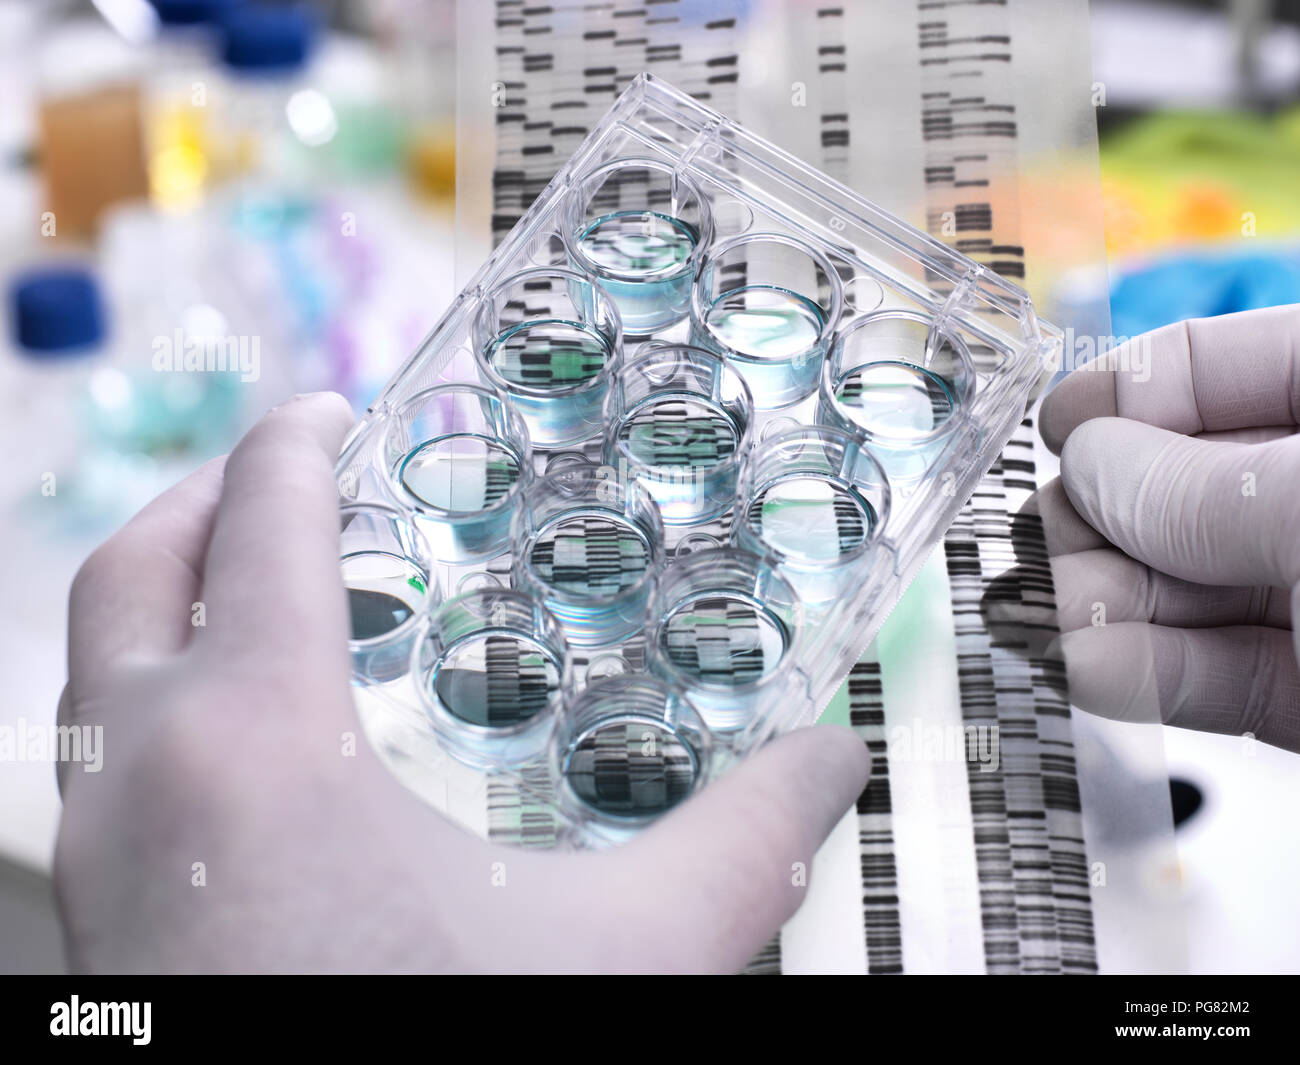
x,y
549,354
765,322
590,566
630,767
895,399
642,259
384,590
679,431
590,553
496,679
460,473
811,517
638,242
724,640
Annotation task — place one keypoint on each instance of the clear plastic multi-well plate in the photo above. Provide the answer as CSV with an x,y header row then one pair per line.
x,y
655,480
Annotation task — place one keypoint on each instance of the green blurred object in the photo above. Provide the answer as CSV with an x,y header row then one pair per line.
x,y
1175,177
371,139
162,414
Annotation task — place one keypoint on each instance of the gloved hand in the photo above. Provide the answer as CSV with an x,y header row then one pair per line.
x,y
223,745
1174,528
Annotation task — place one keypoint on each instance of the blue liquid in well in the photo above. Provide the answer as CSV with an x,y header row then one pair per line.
x,y
811,518
384,590
765,321
585,563
629,767
779,333
625,244
496,679
553,355
549,354
681,448
723,643
459,479
818,523
898,400
899,404
375,613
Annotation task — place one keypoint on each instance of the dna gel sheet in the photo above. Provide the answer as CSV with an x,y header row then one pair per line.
x,y
982,859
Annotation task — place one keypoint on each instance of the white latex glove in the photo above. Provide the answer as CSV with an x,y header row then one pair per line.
x,y
1175,527
224,745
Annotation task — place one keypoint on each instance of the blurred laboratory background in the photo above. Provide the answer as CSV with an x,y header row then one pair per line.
x,y
266,192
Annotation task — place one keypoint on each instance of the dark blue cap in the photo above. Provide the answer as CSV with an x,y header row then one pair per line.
x,y
56,310
267,39
191,12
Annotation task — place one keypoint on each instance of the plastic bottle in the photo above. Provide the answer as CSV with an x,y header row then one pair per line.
x,y
90,422
270,117
57,331
179,72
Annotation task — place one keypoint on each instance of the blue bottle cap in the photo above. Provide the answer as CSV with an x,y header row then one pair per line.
x,y
267,39
56,311
191,12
